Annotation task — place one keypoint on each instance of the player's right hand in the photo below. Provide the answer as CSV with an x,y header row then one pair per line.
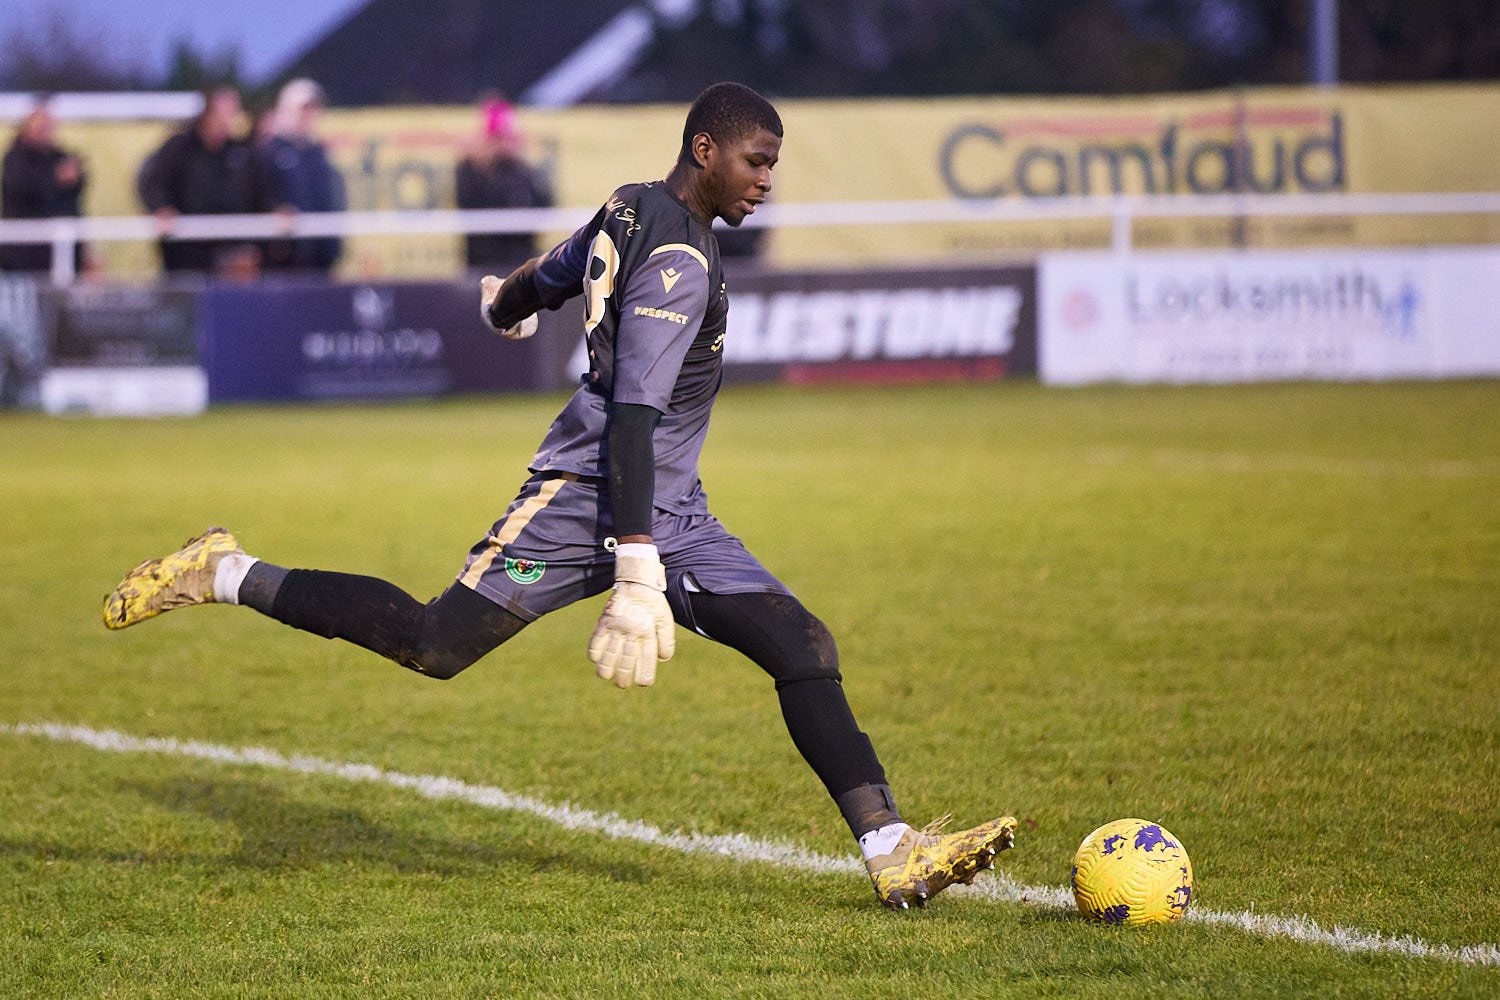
x,y
635,628
489,291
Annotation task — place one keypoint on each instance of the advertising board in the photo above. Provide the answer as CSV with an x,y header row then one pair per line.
x,y
124,350
885,325
1291,140
1237,317
369,341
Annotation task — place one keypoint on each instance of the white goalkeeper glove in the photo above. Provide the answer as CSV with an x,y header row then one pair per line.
x,y
635,629
489,291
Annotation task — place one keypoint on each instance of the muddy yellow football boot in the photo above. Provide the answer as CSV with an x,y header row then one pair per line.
x,y
179,580
925,862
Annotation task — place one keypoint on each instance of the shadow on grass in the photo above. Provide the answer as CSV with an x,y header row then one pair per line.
x,y
277,833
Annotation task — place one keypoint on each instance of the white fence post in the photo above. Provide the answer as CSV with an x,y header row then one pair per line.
x,y
64,252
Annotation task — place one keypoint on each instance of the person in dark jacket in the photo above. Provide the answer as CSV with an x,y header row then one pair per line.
x,y
205,169
492,174
39,180
300,177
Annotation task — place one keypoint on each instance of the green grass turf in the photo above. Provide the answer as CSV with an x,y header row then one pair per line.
x,y
1267,616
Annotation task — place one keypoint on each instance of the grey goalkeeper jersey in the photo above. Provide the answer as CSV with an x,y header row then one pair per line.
x,y
654,317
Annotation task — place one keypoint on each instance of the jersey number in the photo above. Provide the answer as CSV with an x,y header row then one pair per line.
x,y
599,278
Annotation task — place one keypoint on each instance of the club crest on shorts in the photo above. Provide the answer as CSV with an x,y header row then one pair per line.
x,y
524,571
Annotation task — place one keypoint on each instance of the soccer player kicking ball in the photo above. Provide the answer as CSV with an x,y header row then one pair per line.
x,y
614,500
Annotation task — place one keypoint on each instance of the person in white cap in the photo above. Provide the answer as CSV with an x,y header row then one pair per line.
x,y
301,178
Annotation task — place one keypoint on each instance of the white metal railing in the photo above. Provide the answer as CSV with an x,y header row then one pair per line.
x,y
1122,211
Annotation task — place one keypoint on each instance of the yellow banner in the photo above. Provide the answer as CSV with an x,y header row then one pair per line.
x,y
1295,140
1274,141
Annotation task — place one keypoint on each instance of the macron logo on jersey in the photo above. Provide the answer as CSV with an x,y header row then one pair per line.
x,y
670,275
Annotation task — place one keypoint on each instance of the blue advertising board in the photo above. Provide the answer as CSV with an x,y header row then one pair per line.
x,y
313,341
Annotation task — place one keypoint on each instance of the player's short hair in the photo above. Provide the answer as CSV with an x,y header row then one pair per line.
x,y
729,111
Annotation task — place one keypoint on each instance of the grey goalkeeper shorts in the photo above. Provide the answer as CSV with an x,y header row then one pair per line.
x,y
554,547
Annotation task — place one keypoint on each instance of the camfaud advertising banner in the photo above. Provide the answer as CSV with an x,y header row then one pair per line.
x,y
1239,317
1267,141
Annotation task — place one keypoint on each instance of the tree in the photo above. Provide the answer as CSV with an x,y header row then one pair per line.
x,y
189,69
54,51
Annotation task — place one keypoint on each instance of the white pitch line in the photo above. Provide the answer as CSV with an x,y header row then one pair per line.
x,y
738,846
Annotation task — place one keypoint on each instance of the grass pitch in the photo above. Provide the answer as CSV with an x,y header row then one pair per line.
x,y
1267,616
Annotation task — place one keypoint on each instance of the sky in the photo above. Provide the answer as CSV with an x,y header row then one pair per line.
x,y
267,33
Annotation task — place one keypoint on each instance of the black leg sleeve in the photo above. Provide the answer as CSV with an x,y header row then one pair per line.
x,y
439,638
786,641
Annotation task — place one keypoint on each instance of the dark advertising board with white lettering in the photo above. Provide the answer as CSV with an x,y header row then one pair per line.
x,y
882,325
315,341
118,326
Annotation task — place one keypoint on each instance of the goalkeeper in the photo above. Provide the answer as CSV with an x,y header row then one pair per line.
x,y
614,501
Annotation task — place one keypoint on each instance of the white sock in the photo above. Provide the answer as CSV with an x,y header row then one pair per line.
x,y
229,575
881,841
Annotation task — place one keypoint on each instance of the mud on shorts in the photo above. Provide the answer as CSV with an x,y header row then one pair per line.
x,y
554,546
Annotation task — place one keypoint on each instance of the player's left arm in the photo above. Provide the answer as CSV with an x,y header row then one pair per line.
x,y
632,469
661,311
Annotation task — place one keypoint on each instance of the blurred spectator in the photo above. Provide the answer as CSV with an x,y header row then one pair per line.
x,y
40,181
207,168
300,177
492,174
